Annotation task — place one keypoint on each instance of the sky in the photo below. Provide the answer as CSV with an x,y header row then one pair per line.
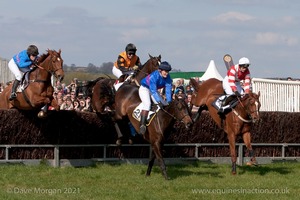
x,y
186,33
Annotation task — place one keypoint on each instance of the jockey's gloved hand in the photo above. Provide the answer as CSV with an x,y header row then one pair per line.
x,y
135,67
237,93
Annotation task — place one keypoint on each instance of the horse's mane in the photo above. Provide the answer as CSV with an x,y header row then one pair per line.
x,y
43,57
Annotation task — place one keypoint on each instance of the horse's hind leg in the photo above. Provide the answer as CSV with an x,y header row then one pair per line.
x,y
150,164
247,141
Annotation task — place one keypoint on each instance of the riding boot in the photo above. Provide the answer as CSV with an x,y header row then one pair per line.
x,y
144,116
13,94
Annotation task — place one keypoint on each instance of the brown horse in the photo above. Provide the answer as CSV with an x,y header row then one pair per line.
x,y
237,122
39,91
127,99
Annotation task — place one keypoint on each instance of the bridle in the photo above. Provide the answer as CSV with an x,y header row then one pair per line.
x,y
52,72
248,111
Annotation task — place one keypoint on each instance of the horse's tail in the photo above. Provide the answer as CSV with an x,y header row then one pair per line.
x,y
87,88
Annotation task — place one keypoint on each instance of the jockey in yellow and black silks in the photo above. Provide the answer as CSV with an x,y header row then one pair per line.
x,y
127,60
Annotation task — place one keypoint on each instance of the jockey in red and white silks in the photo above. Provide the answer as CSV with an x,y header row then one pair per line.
x,y
236,74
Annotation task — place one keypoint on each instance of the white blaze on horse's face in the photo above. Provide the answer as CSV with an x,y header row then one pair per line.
x,y
257,108
58,59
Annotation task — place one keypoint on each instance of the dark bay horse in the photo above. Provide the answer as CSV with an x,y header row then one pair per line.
x,y
102,91
237,122
127,99
39,91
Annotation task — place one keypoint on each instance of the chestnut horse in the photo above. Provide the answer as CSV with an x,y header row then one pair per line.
x,y
127,99
39,91
236,122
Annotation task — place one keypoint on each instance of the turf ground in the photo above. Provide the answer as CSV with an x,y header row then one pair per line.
x,y
128,181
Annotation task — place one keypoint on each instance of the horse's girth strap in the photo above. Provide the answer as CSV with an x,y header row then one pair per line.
x,y
26,98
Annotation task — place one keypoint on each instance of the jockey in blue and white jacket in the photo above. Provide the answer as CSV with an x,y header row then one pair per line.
x,y
150,85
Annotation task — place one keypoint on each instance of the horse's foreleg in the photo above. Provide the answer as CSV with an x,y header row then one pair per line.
x,y
200,109
231,138
150,164
158,154
247,141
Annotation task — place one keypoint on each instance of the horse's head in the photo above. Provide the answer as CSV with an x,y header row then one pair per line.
x,y
252,105
150,66
179,108
53,63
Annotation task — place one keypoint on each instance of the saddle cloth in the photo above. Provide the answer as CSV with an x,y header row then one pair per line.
x,y
136,114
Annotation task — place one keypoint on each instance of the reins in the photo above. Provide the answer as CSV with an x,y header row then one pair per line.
x,y
175,118
239,116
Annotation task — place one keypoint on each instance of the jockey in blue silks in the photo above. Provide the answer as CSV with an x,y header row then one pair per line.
x,y
20,64
150,85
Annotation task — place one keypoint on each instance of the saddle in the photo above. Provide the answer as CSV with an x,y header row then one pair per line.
x,y
128,76
225,101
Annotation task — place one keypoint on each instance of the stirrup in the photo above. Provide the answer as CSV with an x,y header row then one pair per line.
x,y
221,111
13,96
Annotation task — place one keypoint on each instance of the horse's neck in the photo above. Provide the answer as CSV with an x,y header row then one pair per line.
x,y
142,73
40,74
241,109
167,115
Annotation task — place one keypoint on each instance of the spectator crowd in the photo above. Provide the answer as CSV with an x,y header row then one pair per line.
x,y
68,99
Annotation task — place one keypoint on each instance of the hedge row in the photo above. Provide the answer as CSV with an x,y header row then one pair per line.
x,y
71,127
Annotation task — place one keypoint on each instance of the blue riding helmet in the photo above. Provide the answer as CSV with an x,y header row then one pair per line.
x,y
165,66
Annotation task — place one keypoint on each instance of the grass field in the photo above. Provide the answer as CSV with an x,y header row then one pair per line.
x,y
127,181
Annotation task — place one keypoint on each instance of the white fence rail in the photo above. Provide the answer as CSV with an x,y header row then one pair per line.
x,y
5,73
278,95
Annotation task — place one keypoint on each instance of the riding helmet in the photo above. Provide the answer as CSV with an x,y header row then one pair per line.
x,y
244,61
165,66
130,48
32,50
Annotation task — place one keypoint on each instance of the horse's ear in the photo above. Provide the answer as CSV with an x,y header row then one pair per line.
x,y
159,56
194,84
59,51
176,97
150,55
258,94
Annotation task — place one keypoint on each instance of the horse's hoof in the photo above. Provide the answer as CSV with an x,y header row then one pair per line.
x,y
130,141
119,142
42,114
233,173
250,163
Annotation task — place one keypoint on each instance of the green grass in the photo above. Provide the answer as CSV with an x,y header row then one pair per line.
x,y
127,181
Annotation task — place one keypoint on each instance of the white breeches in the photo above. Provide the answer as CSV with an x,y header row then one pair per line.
x,y
228,89
146,97
15,69
116,72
